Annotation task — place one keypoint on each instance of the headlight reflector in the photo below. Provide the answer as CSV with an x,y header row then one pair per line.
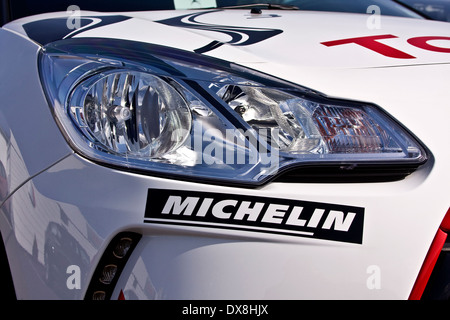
x,y
131,114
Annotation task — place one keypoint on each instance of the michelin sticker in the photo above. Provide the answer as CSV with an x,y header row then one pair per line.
x,y
259,214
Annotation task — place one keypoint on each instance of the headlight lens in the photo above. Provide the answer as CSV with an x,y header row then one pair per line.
x,y
131,114
174,113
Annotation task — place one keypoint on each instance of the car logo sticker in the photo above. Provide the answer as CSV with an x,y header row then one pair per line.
x,y
240,36
48,30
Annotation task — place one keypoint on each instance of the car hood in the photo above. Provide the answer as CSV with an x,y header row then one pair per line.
x,y
310,39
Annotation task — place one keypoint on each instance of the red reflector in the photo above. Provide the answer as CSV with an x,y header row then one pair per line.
x,y
428,265
445,225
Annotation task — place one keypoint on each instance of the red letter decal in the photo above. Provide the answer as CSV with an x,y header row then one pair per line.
x,y
371,43
421,42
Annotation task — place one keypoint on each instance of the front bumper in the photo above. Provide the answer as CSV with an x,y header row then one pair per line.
x,y
92,204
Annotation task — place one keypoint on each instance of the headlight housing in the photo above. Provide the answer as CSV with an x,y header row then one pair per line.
x,y
179,114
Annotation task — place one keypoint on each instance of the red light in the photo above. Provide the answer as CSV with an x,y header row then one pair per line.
x,y
445,224
428,265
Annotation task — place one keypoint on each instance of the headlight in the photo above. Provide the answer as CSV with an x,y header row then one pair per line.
x,y
132,114
178,114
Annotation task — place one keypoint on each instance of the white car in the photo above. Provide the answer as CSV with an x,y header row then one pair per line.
x,y
230,151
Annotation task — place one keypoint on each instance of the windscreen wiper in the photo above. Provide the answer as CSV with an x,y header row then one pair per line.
x,y
265,5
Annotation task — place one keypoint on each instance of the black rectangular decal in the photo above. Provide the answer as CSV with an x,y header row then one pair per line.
x,y
250,213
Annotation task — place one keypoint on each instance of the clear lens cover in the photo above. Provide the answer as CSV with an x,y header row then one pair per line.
x,y
174,113
131,114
